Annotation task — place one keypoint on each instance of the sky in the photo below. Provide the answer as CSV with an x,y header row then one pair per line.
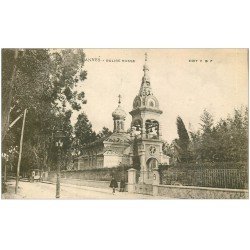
x,y
185,82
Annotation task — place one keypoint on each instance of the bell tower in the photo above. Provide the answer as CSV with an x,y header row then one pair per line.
x,y
146,127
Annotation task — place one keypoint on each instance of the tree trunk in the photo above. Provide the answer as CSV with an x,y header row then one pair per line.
x,y
6,106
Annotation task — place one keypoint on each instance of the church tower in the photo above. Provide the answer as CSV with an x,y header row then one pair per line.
x,y
119,117
146,127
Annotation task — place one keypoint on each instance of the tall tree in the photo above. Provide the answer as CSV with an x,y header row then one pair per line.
x,y
208,143
207,122
183,140
226,141
104,133
9,61
232,135
136,158
84,133
167,149
45,83
195,145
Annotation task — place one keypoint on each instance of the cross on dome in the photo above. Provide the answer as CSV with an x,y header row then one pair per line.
x,y
145,67
119,100
119,113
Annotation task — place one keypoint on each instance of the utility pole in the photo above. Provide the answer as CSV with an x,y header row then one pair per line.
x,y
59,136
58,174
20,152
5,169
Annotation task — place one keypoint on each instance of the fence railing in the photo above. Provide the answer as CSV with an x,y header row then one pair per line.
x,y
218,178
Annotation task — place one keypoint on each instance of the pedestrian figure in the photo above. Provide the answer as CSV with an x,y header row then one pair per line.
x,y
122,185
113,184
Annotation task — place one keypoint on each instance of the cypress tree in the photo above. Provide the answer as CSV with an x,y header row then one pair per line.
x,y
184,139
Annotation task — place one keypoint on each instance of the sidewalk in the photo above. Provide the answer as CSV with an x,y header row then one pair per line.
x,y
10,194
46,190
108,192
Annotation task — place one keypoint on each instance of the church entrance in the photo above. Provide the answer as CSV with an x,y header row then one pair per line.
x,y
152,163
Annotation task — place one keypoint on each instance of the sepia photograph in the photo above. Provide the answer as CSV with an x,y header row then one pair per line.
x,y
124,123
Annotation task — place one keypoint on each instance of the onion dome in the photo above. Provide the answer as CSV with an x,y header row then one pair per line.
x,y
119,113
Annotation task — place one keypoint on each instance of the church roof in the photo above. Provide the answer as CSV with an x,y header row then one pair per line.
x,y
114,138
118,138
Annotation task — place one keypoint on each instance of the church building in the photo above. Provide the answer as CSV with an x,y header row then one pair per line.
x,y
108,151
118,148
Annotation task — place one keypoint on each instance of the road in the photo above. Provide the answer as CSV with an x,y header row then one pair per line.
x,y
40,190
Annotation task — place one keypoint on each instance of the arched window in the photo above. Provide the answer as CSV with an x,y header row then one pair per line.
x,y
152,129
151,104
136,127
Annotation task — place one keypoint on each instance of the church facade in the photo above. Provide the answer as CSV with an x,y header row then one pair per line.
x,y
119,147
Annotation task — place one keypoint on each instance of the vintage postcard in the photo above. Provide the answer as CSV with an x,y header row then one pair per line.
x,y
124,123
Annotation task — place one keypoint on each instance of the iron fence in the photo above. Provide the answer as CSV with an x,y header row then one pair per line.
x,y
217,178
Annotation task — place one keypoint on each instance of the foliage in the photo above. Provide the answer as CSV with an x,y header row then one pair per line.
x,y
136,157
104,133
45,84
207,122
167,149
225,141
84,133
183,141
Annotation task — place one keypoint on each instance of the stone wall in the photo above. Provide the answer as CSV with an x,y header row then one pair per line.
x,y
182,192
99,174
144,189
87,183
82,182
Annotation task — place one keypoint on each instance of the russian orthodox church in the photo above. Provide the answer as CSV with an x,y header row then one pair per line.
x,y
108,151
144,139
